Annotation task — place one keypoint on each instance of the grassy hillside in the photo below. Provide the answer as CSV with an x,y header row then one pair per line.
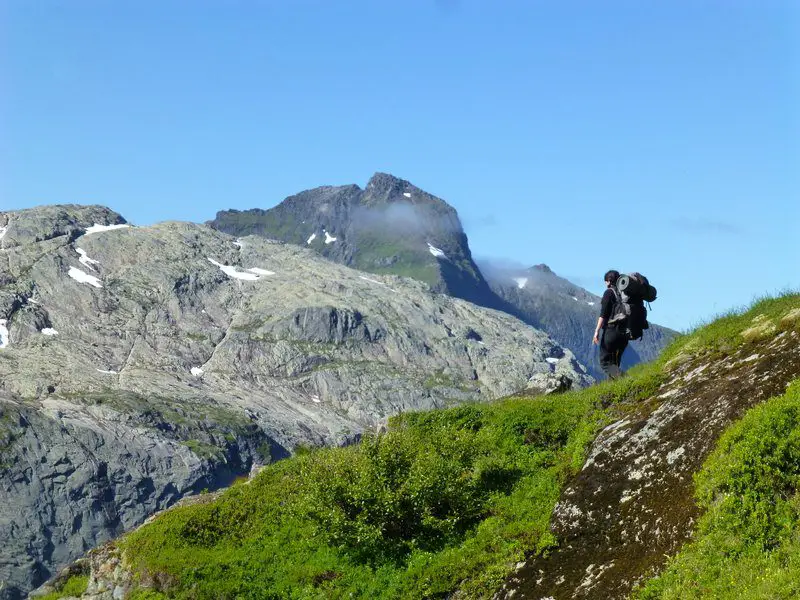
x,y
452,499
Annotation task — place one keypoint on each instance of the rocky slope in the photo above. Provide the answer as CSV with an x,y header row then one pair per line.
x,y
141,364
567,312
394,227
632,504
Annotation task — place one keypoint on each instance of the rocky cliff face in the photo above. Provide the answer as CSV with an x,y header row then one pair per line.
x,y
567,312
394,227
141,364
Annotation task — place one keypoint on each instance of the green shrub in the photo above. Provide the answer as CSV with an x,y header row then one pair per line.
x,y
400,492
444,496
74,586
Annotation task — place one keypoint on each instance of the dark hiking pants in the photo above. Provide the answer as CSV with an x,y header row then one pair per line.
x,y
612,345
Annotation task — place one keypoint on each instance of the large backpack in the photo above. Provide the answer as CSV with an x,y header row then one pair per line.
x,y
629,314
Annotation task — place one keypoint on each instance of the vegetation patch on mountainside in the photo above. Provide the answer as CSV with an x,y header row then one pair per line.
x,y
442,497
70,587
632,506
738,327
446,500
385,254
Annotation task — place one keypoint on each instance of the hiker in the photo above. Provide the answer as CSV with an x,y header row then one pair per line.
x,y
613,341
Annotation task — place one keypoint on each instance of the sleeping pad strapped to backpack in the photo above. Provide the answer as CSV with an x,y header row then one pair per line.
x,y
630,315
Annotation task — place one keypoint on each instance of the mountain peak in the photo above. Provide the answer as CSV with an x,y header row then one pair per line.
x,y
391,226
384,188
386,181
542,267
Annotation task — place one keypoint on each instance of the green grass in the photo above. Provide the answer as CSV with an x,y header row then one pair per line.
x,y
272,224
197,337
9,428
747,544
74,586
443,496
203,450
409,259
446,500
166,409
440,379
737,327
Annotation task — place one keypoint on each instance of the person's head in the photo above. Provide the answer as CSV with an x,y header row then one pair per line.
x,y
611,277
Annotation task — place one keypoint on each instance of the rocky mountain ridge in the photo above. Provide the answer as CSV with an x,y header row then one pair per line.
x,y
141,364
394,227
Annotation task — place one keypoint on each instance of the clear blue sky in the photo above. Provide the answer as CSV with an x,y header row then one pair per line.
x,y
655,136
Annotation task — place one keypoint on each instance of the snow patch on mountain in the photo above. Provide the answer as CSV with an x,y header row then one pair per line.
x,y
196,371
328,237
521,282
85,260
252,274
436,251
311,238
96,228
83,277
371,280
49,331
376,281
407,194
4,338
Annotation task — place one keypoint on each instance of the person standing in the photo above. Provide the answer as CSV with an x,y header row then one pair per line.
x,y
608,336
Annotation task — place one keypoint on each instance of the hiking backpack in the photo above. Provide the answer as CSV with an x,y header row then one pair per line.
x,y
630,315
